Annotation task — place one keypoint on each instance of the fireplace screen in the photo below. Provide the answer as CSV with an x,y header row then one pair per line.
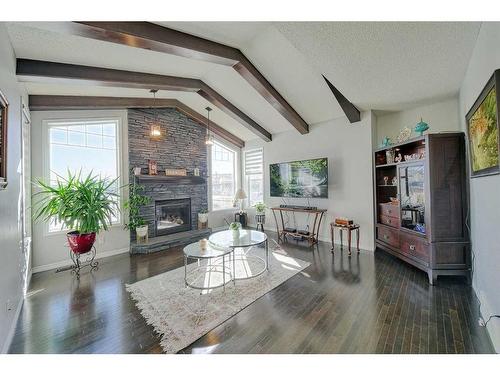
x,y
172,216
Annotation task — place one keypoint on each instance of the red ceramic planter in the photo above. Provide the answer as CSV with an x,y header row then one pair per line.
x,y
80,243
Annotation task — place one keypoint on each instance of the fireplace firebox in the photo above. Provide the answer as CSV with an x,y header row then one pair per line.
x,y
172,216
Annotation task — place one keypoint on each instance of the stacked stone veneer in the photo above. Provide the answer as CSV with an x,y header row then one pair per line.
x,y
182,145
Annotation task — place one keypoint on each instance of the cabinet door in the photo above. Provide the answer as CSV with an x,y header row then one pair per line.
x,y
412,197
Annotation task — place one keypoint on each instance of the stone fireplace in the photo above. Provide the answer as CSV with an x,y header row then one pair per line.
x,y
172,213
172,216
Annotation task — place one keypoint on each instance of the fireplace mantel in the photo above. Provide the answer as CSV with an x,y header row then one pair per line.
x,y
179,180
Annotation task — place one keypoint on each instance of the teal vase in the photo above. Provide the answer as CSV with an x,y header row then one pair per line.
x,y
421,127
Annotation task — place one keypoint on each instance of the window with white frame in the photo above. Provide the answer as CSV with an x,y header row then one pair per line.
x,y
223,176
254,175
89,146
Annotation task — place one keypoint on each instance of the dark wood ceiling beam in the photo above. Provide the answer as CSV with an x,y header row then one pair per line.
x,y
157,38
349,109
44,71
64,102
227,107
250,73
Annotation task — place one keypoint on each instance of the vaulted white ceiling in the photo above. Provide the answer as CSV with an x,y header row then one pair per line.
x,y
384,66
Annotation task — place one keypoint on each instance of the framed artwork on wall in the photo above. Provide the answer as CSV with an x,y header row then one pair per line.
x,y
483,130
4,109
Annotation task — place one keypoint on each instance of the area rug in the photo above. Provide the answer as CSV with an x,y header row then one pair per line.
x,y
181,315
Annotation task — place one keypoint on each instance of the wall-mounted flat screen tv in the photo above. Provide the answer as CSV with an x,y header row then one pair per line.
x,y
300,179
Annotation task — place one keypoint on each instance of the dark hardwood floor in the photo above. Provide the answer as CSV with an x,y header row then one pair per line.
x,y
369,303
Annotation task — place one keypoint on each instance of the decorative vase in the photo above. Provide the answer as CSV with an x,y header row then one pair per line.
x,y
236,233
141,231
386,142
421,127
389,156
202,217
141,234
80,243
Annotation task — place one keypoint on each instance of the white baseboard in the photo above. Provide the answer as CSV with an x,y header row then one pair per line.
x,y
12,330
68,262
28,281
493,327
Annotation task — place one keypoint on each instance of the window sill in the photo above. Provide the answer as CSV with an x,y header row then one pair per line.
x,y
225,210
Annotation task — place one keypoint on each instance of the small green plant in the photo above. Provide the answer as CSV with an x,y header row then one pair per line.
x,y
86,205
133,205
260,207
203,211
234,225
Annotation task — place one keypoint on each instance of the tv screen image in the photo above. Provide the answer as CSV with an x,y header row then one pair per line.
x,y
300,179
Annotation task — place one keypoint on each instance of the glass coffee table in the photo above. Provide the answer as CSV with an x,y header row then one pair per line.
x,y
250,264
213,274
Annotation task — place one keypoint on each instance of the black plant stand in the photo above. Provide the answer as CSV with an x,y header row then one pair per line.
x,y
79,262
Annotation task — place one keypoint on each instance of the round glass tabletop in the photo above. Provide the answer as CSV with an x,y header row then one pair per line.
x,y
194,250
244,238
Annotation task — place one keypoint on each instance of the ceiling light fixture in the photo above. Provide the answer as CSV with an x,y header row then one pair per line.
x,y
208,138
155,125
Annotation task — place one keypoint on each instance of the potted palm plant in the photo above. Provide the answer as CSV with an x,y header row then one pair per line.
x,y
85,206
135,220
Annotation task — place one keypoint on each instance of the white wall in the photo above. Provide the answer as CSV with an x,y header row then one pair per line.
x,y
12,259
348,148
484,191
441,116
49,249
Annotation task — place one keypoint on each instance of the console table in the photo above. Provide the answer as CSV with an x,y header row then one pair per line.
x,y
311,236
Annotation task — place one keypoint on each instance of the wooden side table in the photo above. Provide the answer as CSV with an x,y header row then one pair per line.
x,y
312,236
349,229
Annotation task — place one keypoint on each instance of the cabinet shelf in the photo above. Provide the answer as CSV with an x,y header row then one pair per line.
x,y
409,162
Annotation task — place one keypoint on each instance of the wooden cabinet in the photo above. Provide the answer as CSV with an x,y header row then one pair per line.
x,y
421,203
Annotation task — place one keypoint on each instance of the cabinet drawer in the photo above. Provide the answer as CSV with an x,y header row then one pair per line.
x,y
389,236
388,209
414,246
389,220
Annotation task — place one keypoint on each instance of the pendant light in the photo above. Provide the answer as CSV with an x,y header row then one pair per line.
x,y
155,125
208,138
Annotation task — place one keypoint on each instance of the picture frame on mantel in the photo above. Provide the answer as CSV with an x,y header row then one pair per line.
x,y
483,131
4,111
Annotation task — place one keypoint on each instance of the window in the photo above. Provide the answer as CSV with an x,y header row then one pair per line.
x,y
82,145
223,176
254,177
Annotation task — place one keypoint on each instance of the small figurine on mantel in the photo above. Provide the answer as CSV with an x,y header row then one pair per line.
x,y
421,127
152,167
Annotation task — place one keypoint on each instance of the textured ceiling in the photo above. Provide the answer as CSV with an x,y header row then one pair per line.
x,y
376,65
387,65
234,34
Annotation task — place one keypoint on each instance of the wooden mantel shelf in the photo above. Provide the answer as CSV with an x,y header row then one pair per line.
x,y
180,180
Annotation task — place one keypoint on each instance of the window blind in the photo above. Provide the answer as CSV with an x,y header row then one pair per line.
x,y
254,161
